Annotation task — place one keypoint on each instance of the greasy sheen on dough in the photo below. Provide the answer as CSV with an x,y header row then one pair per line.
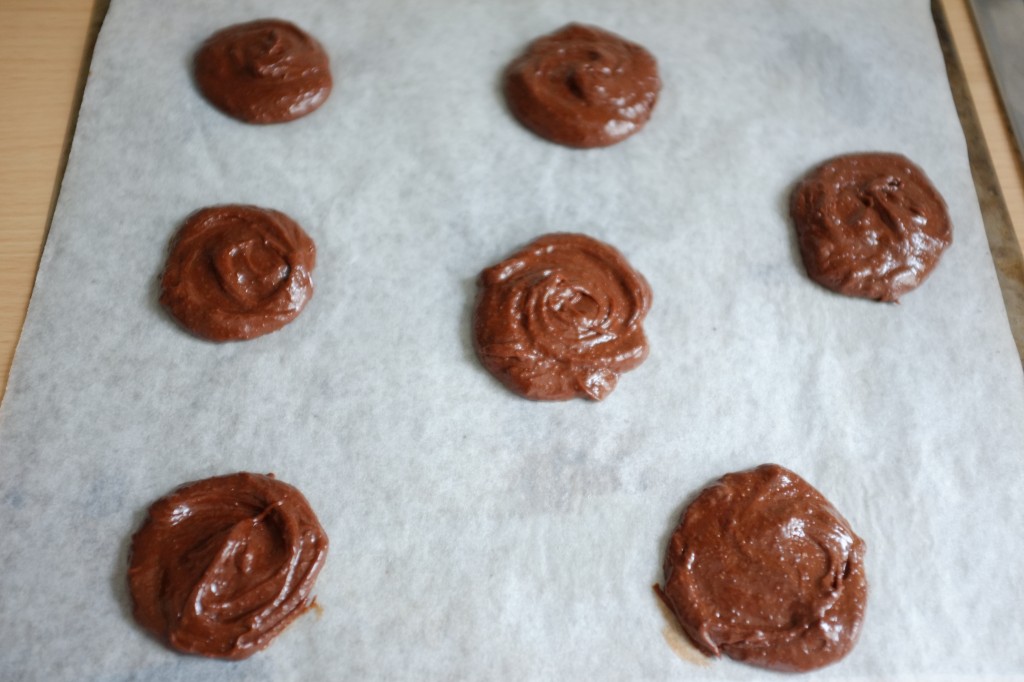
x,y
236,272
221,566
264,71
870,225
764,569
561,318
582,86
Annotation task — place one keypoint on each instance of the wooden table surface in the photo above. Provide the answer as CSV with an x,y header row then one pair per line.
x,y
45,48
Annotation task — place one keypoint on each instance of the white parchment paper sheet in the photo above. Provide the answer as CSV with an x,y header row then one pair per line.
x,y
476,535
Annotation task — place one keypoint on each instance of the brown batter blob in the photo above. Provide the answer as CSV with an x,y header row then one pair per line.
x,y
870,225
266,71
561,318
223,565
582,86
236,272
764,569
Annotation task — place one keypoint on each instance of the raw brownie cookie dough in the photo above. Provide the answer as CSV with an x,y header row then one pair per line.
x,y
764,569
221,566
561,318
266,71
582,86
870,225
236,272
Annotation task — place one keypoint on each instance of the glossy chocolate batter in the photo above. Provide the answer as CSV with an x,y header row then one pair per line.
x,y
222,566
561,318
870,225
582,86
764,569
266,71
236,272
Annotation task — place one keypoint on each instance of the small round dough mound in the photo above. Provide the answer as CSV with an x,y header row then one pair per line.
x,y
561,318
582,86
265,71
236,272
870,225
764,569
223,565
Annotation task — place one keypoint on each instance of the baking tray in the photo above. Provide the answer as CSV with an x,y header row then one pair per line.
x,y
553,484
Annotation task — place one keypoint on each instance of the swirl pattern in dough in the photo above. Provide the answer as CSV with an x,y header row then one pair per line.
x,y
223,565
236,272
265,71
561,318
582,86
764,569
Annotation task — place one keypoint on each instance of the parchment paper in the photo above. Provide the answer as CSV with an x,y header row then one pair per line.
x,y
474,534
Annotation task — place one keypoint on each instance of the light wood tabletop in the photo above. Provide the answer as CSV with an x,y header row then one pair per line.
x,y
45,48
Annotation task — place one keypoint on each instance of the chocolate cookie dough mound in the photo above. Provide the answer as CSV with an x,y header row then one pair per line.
x,y
236,272
582,86
870,225
764,569
221,566
561,318
266,71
